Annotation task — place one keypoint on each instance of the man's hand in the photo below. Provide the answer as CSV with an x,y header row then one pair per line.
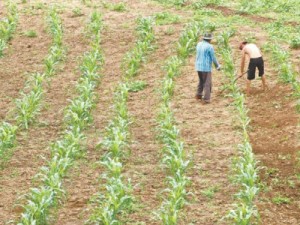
x,y
219,67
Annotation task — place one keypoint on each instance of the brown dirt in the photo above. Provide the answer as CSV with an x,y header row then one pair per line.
x,y
143,165
17,176
27,53
210,137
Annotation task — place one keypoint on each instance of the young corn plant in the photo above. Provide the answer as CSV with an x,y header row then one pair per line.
x,y
55,27
174,158
29,106
7,137
95,27
187,40
64,151
8,26
136,57
118,198
56,53
246,170
287,73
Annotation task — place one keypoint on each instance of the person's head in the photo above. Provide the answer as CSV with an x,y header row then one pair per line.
x,y
207,37
242,45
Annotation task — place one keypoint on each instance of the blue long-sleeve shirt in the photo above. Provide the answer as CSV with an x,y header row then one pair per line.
x,y
205,56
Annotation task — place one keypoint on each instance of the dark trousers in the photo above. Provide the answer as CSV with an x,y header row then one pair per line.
x,y
205,85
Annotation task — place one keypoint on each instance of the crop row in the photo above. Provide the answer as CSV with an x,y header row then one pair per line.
x,y
8,26
69,147
29,105
117,197
279,31
246,171
281,61
174,156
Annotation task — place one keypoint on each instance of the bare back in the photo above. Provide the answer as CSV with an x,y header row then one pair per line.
x,y
252,51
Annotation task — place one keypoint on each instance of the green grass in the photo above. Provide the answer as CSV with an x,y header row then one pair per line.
x,y
30,33
210,191
166,18
136,86
169,31
279,200
118,7
77,12
295,43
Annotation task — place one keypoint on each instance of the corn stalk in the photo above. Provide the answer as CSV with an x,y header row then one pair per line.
x,y
29,105
287,73
245,211
8,26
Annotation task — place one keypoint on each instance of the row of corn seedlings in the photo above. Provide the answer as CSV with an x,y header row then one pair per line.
x,y
174,156
29,105
246,171
8,26
64,151
279,31
287,73
117,198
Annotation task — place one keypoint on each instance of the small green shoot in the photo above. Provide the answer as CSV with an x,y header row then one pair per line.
x,y
279,200
136,86
118,7
169,31
210,192
30,34
166,18
77,12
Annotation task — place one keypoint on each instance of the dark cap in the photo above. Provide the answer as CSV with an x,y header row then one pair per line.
x,y
207,36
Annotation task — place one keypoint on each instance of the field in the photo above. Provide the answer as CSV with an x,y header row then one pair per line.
x,y
100,125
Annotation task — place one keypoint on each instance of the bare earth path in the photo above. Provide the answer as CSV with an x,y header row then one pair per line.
x,y
144,166
211,140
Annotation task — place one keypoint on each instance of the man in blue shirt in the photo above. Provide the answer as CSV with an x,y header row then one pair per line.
x,y
204,58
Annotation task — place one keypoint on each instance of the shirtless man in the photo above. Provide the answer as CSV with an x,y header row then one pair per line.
x,y
256,60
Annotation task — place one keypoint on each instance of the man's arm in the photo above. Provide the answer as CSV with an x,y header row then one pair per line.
x,y
243,61
214,59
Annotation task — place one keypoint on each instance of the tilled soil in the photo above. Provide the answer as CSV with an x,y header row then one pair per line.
x,y
23,56
209,131
32,149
